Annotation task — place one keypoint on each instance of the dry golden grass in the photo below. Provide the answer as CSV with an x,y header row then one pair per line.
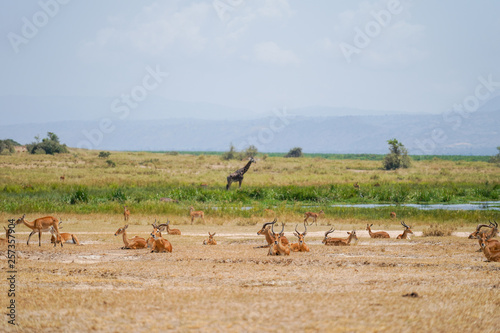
x,y
235,287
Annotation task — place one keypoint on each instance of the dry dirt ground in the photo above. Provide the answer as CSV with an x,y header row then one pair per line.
x,y
235,287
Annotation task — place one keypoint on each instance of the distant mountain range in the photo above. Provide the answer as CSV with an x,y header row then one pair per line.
x,y
315,129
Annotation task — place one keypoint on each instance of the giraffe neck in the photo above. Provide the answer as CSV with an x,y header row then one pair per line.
x,y
245,169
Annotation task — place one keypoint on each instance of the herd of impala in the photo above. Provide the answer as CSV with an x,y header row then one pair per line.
x,y
277,243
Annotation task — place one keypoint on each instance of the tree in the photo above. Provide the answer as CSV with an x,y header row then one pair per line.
x,y
397,157
49,145
496,158
294,152
251,151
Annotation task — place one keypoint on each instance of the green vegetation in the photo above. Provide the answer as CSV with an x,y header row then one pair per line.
x,y
31,184
7,146
496,158
295,152
233,154
49,145
397,157
104,154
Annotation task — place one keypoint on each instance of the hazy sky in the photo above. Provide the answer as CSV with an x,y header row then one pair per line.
x,y
406,56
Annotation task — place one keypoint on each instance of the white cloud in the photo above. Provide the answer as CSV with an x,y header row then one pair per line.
x,y
270,53
156,29
398,42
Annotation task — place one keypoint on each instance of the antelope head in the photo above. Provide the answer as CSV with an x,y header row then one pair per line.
x,y
406,227
121,230
478,229
299,235
266,227
277,236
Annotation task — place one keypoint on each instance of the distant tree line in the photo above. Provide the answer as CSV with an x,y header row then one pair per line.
x,y
8,146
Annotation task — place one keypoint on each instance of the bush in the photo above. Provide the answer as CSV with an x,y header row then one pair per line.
x,y
104,154
397,157
49,145
80,195
496,158
111,164
294,152
436,230
7,146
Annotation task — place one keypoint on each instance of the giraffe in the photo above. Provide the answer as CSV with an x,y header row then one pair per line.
x,y
238,174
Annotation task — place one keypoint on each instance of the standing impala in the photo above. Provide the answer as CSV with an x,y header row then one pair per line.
x,y
307,215
301,246
378,234
196,213
40,225
405,233
133,243
126,213
331,241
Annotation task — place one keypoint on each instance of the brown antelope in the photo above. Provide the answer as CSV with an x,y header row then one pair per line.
x,y
62,178
493,232
63,237
301,246
133,243
266,231
278,248
331,241
210,240
489,249
196,213
7,233
160,244
172,231
405,233
156,229
393,215
313,215
356,186
126,213
378,234
40,225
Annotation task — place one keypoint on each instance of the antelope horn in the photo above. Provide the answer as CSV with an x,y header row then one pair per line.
x,y
329,232
266,224
296,229
282,228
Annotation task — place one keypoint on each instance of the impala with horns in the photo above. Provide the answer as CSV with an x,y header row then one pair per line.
x,y
405,233
492,232
490,250
301,246
332,241
266,231
210,240
278,248
133,243
378,234
156,229
40,225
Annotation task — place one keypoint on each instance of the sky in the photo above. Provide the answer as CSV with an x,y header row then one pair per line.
x,y
409,57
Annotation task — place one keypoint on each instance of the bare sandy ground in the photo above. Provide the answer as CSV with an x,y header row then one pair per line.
x,y
235,287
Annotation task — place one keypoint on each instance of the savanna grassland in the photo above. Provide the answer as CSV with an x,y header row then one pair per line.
x,y
438,284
